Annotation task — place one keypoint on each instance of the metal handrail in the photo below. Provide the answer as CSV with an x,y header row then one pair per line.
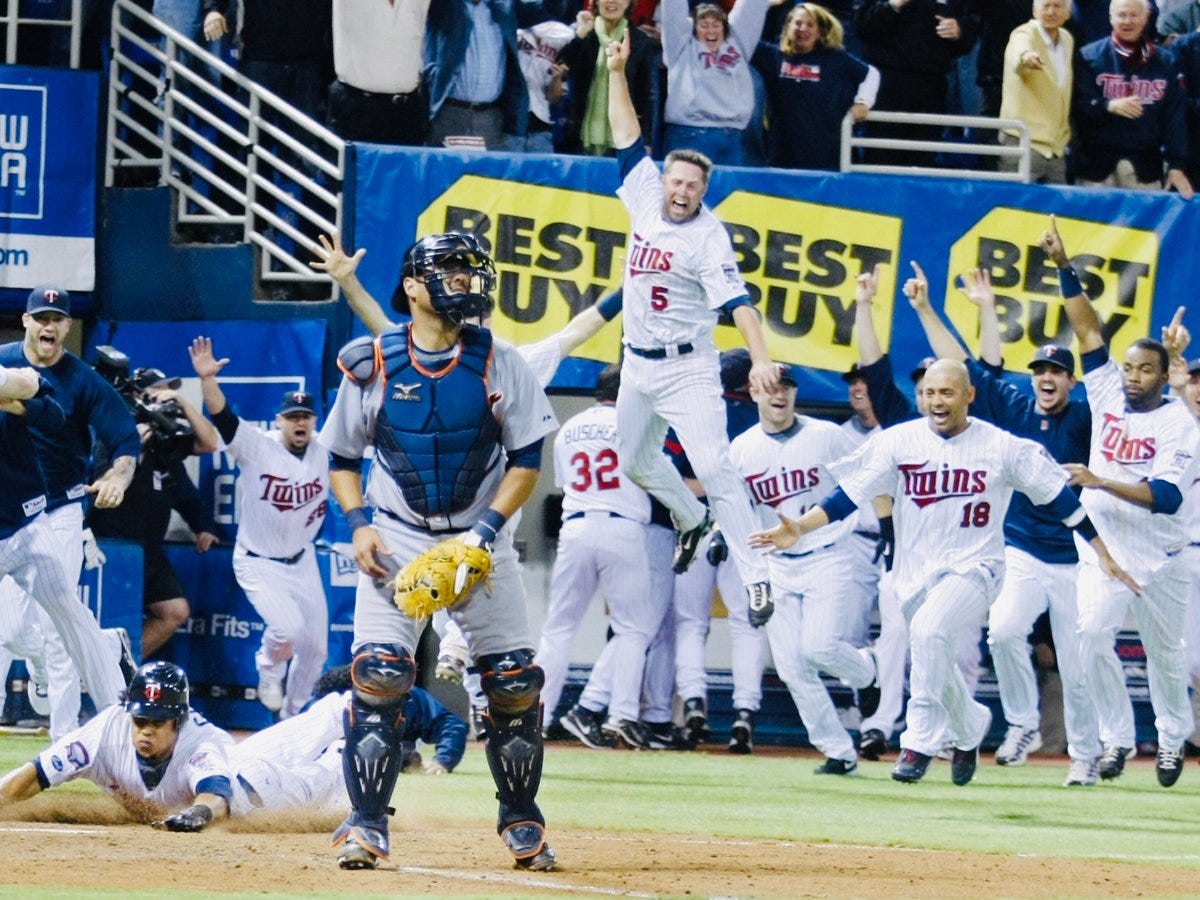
x,y
13,20
1020,150
234,154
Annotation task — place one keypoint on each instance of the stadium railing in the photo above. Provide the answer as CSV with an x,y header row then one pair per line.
x,y
14,22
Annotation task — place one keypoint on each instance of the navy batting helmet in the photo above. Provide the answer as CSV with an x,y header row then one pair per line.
x,y
434,260
159,691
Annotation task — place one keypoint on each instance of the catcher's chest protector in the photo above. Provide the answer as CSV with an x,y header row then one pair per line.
x,y
435,432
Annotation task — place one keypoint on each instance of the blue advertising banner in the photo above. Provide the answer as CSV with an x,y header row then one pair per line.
x,y
48,129
267,359
557,233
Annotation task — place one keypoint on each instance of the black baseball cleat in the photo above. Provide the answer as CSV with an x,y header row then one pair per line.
x,y
963,764
741,734
585,725
868,697
665,736
911,766
837,767
688,542
695,721
872,744
1112,761
762,607
625,731
1168,766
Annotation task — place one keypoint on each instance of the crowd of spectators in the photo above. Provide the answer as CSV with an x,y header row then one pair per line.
x,y
1108,89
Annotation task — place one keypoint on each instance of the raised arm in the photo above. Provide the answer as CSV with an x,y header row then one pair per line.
x,y
941,340
622,116
869,349
977,287
207,366
1082,316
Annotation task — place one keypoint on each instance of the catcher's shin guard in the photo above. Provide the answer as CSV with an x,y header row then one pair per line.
x,y
512,684
373,722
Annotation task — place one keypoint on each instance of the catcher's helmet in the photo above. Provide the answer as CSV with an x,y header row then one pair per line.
x,y
159,691
434,260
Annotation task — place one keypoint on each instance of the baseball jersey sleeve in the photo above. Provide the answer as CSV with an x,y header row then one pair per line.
x,y
74,755
868,471
1033,471
523,410
716,268
346,431
1175,461
543,358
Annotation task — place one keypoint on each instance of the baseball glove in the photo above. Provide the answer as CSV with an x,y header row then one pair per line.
x,y
440,577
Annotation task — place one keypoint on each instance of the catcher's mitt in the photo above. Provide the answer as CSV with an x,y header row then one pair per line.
x,y
440,577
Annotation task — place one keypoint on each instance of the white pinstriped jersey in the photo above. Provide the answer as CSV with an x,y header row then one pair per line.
x,y
676,275
543,358
1131,447
786,472
865,519
951,494
102,752
586,467
282,498
521,408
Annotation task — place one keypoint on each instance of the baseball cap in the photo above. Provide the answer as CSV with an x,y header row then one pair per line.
x,y
150,377
735,370
48,298
852,374
1055,356
786,375
297,401
1194,366
919,372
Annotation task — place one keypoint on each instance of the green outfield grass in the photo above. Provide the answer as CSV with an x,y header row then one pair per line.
x,y
776,797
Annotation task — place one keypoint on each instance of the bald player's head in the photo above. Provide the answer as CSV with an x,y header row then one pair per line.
x,y
948,393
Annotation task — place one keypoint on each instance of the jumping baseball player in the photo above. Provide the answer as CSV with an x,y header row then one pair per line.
x,y
1041,563
283,500
167,764
1143,457
604,544
30,551
1190,390
952,478
457,421
92,407
784,464
679,273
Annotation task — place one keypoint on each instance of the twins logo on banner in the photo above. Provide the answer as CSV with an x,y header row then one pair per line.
x,y
22,150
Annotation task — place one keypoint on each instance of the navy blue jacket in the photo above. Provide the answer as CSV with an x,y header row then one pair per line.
x,y
427,720
91,406
1159,135
1187,56
24,492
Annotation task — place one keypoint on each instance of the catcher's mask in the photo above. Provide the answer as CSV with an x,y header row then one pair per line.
x,y
439,261
159,691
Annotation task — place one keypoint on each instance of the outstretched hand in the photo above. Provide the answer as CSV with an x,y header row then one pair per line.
x,y
1176,337
203,360
976,286
333,260
782,536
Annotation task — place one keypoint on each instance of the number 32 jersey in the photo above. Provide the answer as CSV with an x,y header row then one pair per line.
x,y
951,494
586,467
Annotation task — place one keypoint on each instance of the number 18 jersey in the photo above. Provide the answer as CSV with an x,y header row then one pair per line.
x,y
588,470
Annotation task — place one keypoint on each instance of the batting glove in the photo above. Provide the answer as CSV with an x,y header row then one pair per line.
x,y
718,549
885,547
93,556
194,818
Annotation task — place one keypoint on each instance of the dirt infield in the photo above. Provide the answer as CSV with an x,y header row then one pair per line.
x,y
94,850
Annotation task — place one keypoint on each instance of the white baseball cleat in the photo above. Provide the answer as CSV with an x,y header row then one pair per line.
x,y
1018,743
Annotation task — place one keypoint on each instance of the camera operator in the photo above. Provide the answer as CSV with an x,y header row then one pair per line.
x,y
171,429
91,405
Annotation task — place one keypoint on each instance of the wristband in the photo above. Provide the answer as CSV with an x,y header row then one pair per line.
x,y
489,525
357,518
1068,282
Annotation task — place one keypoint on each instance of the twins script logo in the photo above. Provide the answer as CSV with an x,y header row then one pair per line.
x,y
725,58
1116,447
285,495
645,259
799,71
773,489
1117,86
928,486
